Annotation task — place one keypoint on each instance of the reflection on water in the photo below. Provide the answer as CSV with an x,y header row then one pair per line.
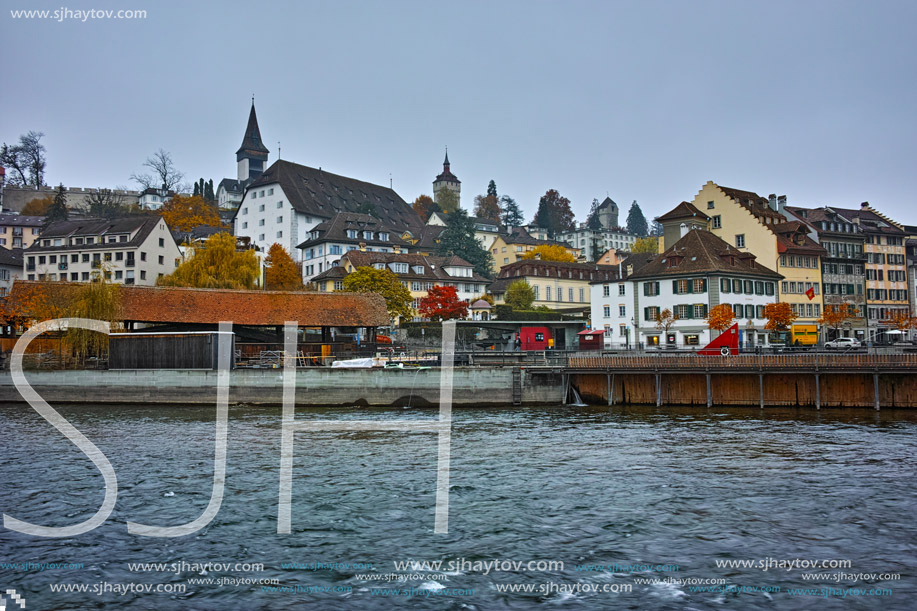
x,y
582,485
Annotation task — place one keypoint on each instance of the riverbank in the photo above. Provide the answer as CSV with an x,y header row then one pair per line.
x,y
472,387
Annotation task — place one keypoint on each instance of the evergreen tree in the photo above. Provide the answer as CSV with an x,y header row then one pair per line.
x,y
592,221
58,210
512,214
636,222
657,229
492,188
458,239
197,190
208,192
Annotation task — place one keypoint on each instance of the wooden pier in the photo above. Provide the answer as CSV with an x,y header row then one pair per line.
x,y
814,380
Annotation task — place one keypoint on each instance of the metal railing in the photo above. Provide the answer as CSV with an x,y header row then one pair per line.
x,y
749,362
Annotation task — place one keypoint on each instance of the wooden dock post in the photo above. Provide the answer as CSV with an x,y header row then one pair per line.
x,y
709,393
761,388
875,383
658,389
817,393
608,380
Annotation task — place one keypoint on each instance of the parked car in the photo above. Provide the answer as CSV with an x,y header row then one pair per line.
x,y
843,342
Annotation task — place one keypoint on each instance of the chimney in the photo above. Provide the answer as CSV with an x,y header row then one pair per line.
x,y
781,204
864,206
538,256
362,246
684,230
396,249
772,201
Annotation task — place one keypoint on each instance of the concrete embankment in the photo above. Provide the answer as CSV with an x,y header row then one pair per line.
x,y
472,387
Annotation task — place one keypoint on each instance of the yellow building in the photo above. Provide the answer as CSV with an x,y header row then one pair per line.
x,y
557,285
507,249
759,225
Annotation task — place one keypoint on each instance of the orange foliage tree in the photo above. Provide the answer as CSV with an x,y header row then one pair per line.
x,y
901,320
442,303
665,320
487,207
37,207
424,206
186,213
835,316
721,317
281,272
550,252
779,316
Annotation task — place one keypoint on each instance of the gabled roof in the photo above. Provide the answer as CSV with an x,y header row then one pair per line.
x,y
751,201
231,185
701,252
17,220
251,141
520,236
319,193
682,211
870,220
210,306
607,202
793,238
11,257
547,270
433,266
140,226
335,229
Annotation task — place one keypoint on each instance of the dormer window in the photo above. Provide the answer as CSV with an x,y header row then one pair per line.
x,y
383,237
352,234
400,268
367,235
418,269
379,265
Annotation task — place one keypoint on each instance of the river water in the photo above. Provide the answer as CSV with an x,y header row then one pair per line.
x,y
645,489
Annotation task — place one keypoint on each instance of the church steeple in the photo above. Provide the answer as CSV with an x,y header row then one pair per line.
x,y
252,155
447,180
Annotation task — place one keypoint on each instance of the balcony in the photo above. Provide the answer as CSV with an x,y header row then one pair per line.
x,y
129,263
30,267
96,264
62,266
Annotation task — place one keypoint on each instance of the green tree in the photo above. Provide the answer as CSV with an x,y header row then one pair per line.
x,y
58,210
448,201
519,295
197,189
512,213
209,194
280,270
492,189
384,282
636,222
592,221
458,239
554,213
216,264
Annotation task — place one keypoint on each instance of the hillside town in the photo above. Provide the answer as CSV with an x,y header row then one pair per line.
x,y
782,271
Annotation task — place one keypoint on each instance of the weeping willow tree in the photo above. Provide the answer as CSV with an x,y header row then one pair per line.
x,y
216,264
97,300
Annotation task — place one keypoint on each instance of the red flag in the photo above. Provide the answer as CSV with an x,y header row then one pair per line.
x,y
811,293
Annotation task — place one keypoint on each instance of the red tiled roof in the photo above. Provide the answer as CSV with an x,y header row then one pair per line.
x,y
251,308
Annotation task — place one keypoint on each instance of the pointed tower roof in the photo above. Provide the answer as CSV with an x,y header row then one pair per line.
x,y
252,143
447,174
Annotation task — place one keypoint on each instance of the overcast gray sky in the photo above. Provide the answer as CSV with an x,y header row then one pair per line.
x,y
640,100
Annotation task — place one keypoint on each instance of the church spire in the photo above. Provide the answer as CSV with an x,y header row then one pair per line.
x,y
446,162
252,155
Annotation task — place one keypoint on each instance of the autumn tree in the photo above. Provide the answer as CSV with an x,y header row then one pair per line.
x,y
25,160
834,317
665,320
779,316
398,300
96,300
721,317
458,239
281,272
901,320
487,207
550,252
636,222
186,213
447,200
512,213
58,209
37,206
162,175
442,303
554,213
216,264
424,206
645,245
519,295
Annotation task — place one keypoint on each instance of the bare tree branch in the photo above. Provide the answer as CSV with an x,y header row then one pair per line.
x,y
165,175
